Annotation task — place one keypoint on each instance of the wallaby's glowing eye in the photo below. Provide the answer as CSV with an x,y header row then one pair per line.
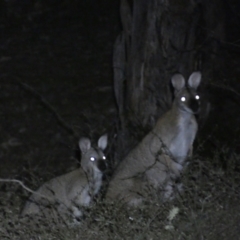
x,y
197,97
92,159
104,158
183,99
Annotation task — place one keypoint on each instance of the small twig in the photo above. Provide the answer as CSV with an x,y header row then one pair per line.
x,y
22,185
30,190
27,188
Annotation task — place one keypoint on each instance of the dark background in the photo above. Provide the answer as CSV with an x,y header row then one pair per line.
x,y
59,52
56,62
56,85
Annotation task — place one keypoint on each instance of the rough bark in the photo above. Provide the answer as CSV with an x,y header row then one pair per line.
x,y
159,38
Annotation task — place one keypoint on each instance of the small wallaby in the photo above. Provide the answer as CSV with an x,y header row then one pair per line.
x,y
159,158
67,193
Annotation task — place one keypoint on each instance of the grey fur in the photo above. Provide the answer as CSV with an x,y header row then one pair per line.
x,y
71,191
158,160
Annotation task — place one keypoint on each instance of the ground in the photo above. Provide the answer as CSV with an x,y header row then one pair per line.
x,y
56,86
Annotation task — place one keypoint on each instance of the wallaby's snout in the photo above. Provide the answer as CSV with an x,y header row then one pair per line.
x,y
194,103
102,166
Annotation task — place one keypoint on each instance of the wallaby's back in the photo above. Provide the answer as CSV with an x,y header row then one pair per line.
x,y
158,159
58,190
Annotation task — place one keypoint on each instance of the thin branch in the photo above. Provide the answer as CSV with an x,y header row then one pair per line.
x,y
50,107
225,87
44,102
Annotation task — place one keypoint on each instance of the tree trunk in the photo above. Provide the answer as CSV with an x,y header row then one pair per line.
x,y
159,38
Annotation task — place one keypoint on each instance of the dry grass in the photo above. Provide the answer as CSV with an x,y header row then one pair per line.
x,y
208,209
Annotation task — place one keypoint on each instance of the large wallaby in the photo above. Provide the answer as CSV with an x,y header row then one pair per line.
x,y
67,193
158,159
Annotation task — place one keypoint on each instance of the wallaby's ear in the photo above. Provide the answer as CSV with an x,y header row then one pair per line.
x,y
103,141
84,144
194,80
178,81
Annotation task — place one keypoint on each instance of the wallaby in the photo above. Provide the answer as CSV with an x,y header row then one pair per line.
x,y
158,159
67,193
